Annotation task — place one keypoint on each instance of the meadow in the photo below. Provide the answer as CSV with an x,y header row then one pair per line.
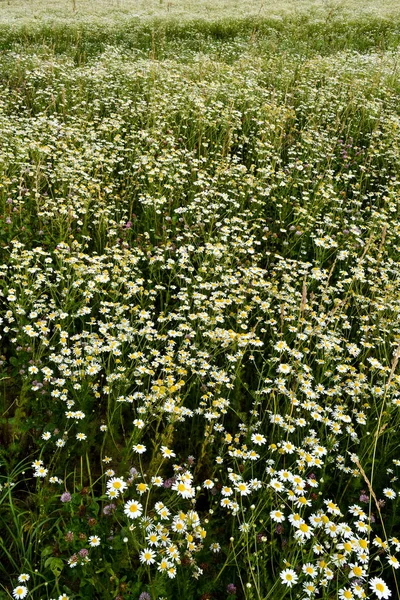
x,y
199,300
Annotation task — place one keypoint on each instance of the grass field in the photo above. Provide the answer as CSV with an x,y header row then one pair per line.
x,y
199,300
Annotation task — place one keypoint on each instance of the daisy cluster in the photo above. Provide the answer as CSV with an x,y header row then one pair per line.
x,y
200,300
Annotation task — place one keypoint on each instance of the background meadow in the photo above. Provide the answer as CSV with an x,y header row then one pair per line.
x,y
199,300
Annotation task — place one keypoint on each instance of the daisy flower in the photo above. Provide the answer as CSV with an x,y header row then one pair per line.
x,y
183,489
379,587
20,591
167,453
40,472
393,562
389,493
310,570
310,589
142,487
258,439
208,484
164,565
24,577
94,540
133,509
289,577
139,448
157,481
117,484
243,488
277,516
147,556
356,571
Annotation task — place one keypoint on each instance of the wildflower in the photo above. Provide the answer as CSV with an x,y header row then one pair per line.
x,y
178,525
139,448
147,556
393,562
142,487
215,547
94,540
46,435
73,561
171,572
310,570
332,508
389,493
277,516
277,485
109,509
183,489
20,591
356,571
55,480
163,565
157,481
242,488
167,453
289,577
133,509
231,589
358,590
65,497
117,484
379,587
258,439
310,589
40,472
208,484
24,577
304,532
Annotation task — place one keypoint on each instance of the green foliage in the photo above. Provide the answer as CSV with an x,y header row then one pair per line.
x,y
199,302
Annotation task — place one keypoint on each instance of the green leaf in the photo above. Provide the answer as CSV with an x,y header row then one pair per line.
x,y
56,565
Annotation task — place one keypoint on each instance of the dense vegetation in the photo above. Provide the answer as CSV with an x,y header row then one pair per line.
x,y
199,303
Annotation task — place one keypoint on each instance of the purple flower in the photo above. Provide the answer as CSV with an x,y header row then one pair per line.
x,y
169,482
65,497
144,596
69,536
231,589
84,552
364,497
109,509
